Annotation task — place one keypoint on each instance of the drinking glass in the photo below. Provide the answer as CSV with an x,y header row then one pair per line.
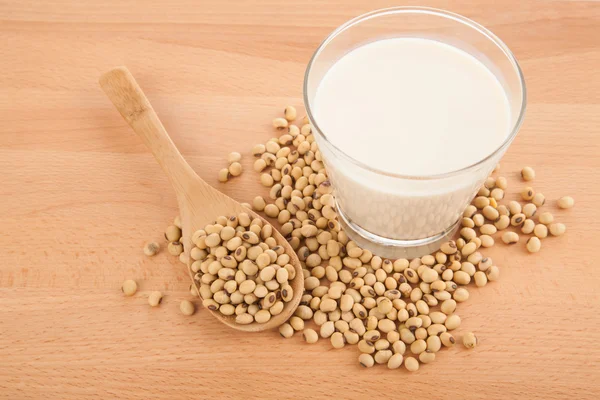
x,y
391,214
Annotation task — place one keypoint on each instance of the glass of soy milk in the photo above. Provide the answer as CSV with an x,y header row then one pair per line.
x,y
412,108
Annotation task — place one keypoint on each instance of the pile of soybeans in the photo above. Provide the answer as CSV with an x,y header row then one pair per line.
x,y
397,312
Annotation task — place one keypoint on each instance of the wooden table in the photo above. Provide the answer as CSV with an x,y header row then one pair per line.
x,y
80,195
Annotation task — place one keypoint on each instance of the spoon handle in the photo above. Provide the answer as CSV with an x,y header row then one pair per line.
x,y
129,99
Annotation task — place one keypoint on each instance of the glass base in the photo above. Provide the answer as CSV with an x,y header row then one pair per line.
x,y
394,248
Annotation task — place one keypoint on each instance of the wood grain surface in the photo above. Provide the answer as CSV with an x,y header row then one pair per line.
x,y
80,194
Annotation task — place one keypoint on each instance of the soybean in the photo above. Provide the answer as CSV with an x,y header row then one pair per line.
x,y
151,249
290,113
235,169
337,340
395,361
447,339
234,156
480,278
517,219
310,336
286,330
557,229
534,244
452,322
411,364
514,207
539,199
528,193
173,233
510,237
566,202
528,174
366,360
175,248
490,213
529,210
541,231
224,175
528,226
155,298
129,287
187,307
546,218
280,123
502,223
469,340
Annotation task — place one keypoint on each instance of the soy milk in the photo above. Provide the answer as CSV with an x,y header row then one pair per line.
x,y
413,107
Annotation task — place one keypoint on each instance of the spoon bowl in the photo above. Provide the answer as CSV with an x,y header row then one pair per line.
x,y
199,203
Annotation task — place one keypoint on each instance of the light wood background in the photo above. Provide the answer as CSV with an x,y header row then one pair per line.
x,y
80,194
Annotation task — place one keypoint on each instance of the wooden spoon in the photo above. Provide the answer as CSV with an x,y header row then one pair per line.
x,y
199,203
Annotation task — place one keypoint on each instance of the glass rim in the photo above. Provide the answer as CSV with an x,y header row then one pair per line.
x,y
419,10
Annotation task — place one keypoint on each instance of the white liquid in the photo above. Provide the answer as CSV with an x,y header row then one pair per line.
x,y
413,107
